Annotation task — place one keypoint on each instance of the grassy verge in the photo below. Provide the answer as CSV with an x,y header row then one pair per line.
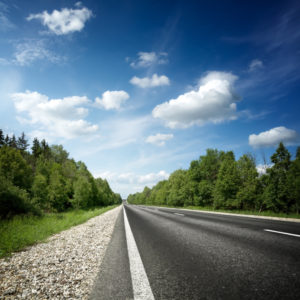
x,y
244,212
22,231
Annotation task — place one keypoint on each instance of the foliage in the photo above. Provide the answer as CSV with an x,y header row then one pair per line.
x,y
248,177
276,195
46,180
293,183
217,181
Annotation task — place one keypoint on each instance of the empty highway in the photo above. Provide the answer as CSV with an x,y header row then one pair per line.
x,y
197,255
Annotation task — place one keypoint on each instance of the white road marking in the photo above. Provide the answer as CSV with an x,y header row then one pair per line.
x,y
281,232
179,214
232,214
140,282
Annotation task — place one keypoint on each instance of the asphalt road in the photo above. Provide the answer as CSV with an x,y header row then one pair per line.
x,y
196,255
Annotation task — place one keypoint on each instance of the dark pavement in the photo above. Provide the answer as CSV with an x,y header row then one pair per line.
x,y
197,255
113,280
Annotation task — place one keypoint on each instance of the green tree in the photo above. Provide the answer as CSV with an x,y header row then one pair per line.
x,y
36,148
2,140
13,142
159,193
69,172
146,195
195,171
248,190
179,192
13,199
57,193
15,181
46,179
45,149
293,178
6,140
40,192
106,195
227,184
59,154
82,193
210,163
205,193
14,168
276,195
22,143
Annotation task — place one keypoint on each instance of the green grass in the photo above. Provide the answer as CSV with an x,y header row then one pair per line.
x,y
23,231
244,212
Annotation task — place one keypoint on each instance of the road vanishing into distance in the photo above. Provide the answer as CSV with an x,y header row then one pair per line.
x,y
161,253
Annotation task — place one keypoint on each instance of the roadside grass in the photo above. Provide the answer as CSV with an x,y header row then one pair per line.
x,y
233,211
23,231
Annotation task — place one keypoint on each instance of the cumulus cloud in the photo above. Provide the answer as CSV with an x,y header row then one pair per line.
x,y
255,65
214,101
112,99
30,51
54,117
151,178
130,182
146,59
65,21
147,179
153,81
159,139
273,137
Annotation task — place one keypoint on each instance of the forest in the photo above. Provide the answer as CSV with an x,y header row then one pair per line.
x,y
45,180
219,181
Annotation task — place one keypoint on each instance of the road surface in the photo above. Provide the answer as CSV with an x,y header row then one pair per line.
x,y
197,255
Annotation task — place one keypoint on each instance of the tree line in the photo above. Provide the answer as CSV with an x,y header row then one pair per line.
x,y
217,180
45,179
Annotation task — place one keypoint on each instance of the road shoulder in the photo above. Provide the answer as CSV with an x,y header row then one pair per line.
x,y
114,280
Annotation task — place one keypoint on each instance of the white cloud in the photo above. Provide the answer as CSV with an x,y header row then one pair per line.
x,y
273,137
65,21
28,52
112,99
120,132
255,65
159,139
54,117
129,182
4,61
153,81
214,101
262,169
146,59
152,178
5,23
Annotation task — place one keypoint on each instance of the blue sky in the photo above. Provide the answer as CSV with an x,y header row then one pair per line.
x,y
138,89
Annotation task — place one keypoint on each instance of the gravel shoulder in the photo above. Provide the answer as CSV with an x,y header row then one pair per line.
x,y
64,267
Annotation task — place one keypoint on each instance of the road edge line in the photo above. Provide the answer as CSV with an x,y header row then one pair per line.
x,y
231,214
281,232
140,283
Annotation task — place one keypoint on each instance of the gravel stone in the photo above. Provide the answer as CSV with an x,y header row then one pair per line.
x,y
64,267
